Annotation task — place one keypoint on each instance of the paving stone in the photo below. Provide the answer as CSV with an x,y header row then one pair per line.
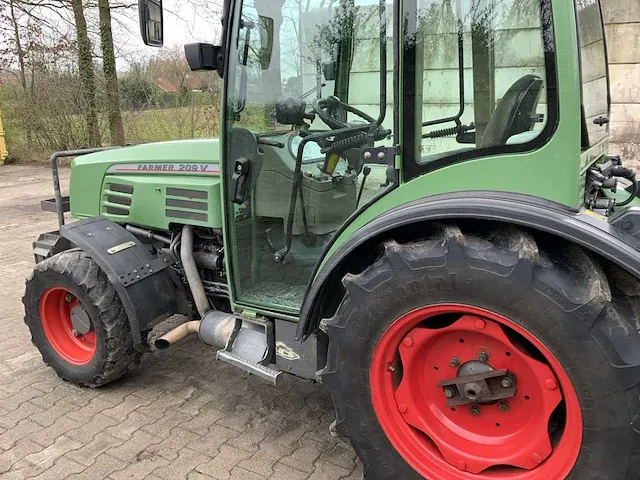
x,y
21,430
103,465
187,461
63,468
134,422
88,453
179,414
61,426
170,446
213,440
220,467
86,432
140,467
136,445
241,474
11,419
20,450
304,456
341,455
47,457
285,472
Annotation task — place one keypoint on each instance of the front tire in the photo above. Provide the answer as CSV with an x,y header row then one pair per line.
x,y
532,308
77,320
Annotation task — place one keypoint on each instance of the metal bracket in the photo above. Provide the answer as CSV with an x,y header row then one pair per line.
x,y
380,155
143,271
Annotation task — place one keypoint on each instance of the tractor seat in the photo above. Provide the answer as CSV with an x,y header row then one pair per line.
x,y
515,113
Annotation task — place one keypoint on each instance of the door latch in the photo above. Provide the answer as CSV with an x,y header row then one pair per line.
x,y
239,180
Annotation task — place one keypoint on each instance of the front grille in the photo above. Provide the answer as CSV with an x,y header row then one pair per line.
x,y
186,204
117,199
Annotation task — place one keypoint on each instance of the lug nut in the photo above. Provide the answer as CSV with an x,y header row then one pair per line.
x,y
475,411
402,408
448,392
455,361
67,297
503,407
408,342
391,368
551,384
75,333
483,356
506,383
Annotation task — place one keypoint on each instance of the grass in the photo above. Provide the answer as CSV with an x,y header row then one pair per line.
x,y
150,125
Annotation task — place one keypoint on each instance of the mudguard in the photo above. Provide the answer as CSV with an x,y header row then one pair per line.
x,y
613,240
145,288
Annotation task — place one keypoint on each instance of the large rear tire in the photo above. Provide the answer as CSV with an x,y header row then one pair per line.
x,y
77,320
545,311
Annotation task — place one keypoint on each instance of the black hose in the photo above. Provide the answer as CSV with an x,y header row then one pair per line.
x,y
365,172
630,175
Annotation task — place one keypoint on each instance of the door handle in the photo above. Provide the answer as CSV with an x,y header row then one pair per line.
x,y
240,180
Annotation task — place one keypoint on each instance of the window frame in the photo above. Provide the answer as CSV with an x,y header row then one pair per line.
x,y
412,167
584,131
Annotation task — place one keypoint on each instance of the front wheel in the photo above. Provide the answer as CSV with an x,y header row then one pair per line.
x,y
77,320
472,356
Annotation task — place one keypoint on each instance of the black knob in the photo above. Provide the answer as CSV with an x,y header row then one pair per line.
x,y
600,121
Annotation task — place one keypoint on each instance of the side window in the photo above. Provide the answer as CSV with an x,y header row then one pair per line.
x,y
593,66
483,75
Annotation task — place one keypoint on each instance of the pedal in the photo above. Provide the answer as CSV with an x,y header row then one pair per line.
x,y
266,373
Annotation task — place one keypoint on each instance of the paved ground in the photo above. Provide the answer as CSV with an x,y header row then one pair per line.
x,y
178,415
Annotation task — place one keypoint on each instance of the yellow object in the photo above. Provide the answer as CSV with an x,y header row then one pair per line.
x,y
330,162
3,143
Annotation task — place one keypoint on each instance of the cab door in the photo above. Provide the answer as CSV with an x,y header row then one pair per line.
x,y
309,97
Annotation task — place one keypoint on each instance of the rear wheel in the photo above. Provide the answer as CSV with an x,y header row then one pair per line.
x,y
77,321
474,356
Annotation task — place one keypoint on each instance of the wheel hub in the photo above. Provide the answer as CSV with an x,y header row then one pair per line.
x,y
67,325
478,382
473,394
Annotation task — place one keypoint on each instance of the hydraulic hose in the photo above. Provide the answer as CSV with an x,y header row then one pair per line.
x,y
191,271
630,175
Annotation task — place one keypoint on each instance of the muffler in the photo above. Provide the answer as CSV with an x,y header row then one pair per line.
x,y
214,329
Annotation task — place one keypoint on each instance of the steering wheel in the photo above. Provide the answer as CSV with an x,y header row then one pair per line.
x,y
327,108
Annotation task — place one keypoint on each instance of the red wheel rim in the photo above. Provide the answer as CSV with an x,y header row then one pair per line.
x,y
536,437
56,304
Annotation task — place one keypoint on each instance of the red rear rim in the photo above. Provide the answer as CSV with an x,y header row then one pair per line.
x,y
56,304
533,435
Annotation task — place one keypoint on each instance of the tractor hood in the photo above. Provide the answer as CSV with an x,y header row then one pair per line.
x,y
152,184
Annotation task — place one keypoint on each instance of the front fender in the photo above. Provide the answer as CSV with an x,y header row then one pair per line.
x,y
140,278
583,227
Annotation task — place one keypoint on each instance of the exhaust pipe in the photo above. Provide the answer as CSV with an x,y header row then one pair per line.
x,y
191,272
176,334
214,329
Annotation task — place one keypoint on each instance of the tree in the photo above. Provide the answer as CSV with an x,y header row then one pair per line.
x,y
110,75
86,72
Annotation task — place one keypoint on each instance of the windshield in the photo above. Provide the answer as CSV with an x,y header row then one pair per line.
x,y
595,90
305,49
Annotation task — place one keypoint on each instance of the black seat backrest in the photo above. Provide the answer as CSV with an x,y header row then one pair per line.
x,y
515,113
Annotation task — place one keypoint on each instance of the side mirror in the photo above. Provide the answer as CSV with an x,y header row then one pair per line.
x,y
290,111
204,56
151,28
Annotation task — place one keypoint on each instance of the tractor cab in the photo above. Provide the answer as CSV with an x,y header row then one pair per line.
x,y
313,127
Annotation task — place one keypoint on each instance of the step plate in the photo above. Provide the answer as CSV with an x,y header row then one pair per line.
x,y
266,373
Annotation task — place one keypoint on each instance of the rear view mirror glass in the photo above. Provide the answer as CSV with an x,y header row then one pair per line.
x,y
151,27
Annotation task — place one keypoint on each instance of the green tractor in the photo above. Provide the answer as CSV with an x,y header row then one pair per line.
x,y
411,202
